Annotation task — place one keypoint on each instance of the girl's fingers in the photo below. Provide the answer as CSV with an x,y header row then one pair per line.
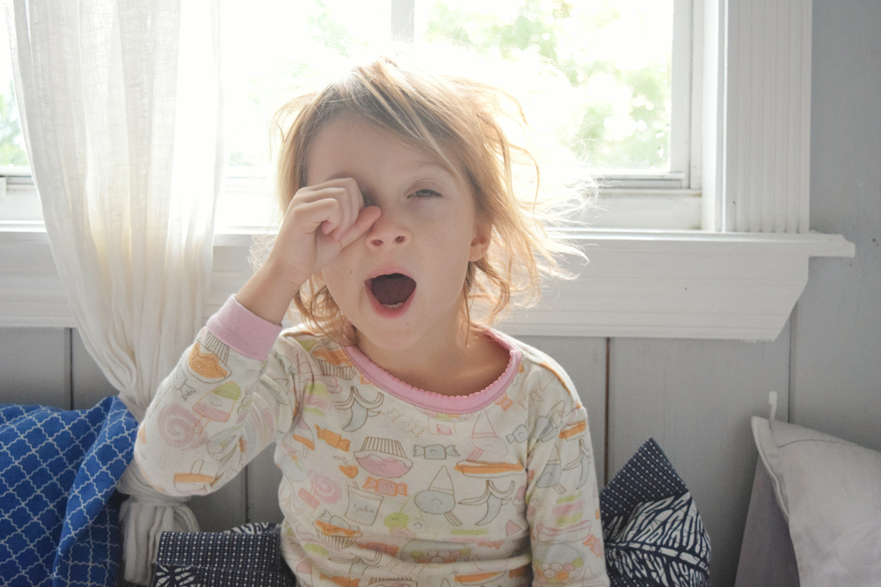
x,y
324,215
345,192
367,217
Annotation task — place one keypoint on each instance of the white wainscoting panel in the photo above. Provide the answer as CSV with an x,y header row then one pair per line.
x,y
837,327
695,398
35,366
88,381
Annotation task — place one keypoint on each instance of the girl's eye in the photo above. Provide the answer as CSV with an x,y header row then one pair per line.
x,y
426,193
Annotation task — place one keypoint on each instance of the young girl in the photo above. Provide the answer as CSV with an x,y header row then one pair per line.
x,y
418,446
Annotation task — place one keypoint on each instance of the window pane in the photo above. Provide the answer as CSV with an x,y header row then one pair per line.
x,y
12,149
616,54
269,48
270,45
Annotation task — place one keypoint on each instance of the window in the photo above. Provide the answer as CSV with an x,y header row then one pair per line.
x,y
627,106
17,198
736,166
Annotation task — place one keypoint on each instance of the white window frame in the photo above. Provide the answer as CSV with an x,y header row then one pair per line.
x,y
738,278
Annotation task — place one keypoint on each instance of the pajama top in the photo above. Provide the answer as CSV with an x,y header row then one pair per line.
x,y
384,484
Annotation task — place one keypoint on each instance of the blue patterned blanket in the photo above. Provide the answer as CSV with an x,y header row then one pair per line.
x,y
59,510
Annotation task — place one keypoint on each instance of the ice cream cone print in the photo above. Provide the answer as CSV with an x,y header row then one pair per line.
x,y
439,498
486,440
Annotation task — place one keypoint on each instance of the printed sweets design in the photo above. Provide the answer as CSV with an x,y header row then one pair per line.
x,y
365,471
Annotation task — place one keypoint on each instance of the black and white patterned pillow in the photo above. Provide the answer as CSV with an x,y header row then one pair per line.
x,y
246,556
652,530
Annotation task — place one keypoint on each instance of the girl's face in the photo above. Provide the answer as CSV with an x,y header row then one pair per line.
x,y
400,285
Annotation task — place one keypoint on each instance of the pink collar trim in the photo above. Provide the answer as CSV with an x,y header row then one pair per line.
x,y
457,404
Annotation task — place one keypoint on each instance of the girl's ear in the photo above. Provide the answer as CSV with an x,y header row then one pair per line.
x,y
480,242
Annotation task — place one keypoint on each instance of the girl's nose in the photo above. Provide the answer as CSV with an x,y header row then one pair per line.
x,y
387,231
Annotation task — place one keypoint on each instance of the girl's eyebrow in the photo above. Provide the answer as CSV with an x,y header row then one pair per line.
x,y
421,166
429,164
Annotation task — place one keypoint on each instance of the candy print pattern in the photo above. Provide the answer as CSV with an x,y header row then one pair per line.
x,y
376,488
435,452
178,428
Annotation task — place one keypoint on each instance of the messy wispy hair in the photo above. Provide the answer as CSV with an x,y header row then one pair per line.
x,y
443,115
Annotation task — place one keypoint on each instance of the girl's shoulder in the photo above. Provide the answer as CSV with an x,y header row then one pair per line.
x,y
309,340
318,350
537,365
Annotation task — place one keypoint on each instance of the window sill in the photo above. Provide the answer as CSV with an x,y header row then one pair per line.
x,y
657,284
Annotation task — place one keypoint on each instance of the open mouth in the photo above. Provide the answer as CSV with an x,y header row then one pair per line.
x,y
392,290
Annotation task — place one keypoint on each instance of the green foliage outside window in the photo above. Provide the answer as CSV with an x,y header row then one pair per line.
x,y
624,120
615,55
12,152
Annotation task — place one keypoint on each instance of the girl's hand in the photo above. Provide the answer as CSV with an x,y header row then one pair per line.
x,y
320,221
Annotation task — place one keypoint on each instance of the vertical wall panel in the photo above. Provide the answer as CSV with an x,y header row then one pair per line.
x,y
223,509
263,478
35,366
837,328
695,398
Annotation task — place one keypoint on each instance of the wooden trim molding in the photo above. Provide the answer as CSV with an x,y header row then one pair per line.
x,y
663,284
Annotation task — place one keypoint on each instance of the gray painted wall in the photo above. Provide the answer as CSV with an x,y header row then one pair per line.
x,y
694,397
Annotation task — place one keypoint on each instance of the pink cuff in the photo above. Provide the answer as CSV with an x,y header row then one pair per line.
x,y
243,331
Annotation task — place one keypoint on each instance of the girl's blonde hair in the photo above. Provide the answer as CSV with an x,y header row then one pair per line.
x,y
440,114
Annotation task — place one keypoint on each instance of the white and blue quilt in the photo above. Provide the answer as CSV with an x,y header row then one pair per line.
x,y
59,509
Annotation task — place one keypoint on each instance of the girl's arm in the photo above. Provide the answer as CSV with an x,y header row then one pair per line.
x,y
563,506
228,398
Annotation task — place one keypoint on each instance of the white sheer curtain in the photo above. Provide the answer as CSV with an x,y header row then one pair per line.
x,y
121,109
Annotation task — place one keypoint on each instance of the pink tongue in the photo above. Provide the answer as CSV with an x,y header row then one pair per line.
x,y
392,289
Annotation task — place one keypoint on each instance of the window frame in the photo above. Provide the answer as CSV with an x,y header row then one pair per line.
x,y
738,278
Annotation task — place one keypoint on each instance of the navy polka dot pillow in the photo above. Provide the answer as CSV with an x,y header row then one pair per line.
x,y
652,530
